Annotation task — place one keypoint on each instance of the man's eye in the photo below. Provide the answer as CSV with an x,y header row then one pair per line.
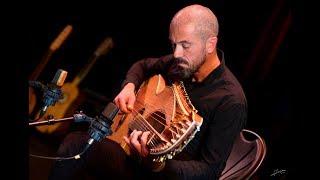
x,y
185,46
173,46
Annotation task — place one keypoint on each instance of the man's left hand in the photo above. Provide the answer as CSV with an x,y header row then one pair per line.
x,y
138,142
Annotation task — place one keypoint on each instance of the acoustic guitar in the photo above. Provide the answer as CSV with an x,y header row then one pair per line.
x,y
164,110
70,94
39,68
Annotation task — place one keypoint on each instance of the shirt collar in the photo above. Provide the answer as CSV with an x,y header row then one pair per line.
x,y
216,73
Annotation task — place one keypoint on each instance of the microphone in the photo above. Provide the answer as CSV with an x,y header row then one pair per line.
x,y
52,92
100,126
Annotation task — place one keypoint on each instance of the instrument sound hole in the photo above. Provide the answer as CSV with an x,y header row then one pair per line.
x,y
137,123
157,120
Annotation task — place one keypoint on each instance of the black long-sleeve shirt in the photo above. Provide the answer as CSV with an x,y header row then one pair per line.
x,y
221,102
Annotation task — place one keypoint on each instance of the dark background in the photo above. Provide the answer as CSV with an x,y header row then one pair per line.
x,y
255,37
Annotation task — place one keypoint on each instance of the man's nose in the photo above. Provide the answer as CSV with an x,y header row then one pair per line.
x,y
178,52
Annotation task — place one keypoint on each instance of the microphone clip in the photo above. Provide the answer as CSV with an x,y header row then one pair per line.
x,y
51,95
100,127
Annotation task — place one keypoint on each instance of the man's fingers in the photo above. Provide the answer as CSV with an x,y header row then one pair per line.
x,y
126,98
134,140
131,101
116,101
126,139
137,141
144,138
123,106
132,133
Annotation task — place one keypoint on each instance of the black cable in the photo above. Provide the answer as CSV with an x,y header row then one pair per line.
x,y
78,156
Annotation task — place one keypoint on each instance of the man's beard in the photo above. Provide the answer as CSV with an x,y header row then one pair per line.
x,y
177,72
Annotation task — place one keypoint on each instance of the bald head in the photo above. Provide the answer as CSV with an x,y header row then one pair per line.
x,y
205,22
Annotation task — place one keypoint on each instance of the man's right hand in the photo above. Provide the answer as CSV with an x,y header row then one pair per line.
x,y
126,98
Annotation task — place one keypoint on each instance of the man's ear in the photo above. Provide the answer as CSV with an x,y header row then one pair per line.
x,y
211,44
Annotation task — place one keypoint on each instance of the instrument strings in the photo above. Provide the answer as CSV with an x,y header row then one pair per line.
x,y
155,116
140,123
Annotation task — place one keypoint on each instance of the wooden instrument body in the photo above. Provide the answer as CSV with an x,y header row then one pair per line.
x,y
32,100
164,111
147,94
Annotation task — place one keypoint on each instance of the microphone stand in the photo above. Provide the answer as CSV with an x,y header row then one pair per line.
x,y
99,126
50,121
78,117
95,133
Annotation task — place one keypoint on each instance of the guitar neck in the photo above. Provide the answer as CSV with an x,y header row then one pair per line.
x,y
83,73
53,48
35,74
104,47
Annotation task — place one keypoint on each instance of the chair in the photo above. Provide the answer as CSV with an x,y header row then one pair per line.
x,y
246,156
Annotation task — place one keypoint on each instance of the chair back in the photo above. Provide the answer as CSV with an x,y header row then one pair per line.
x,y
246,156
